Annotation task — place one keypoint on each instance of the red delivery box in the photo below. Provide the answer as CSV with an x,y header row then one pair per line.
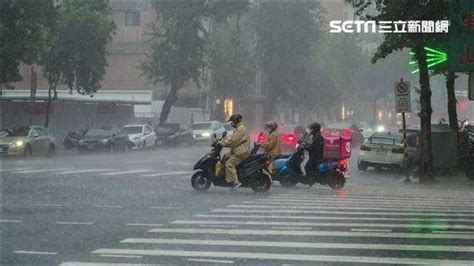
x,y
337,144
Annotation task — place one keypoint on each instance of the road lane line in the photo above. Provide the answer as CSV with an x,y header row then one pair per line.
x,y
169,173
74,223
107,206
338,224
82,171
350,203
121,256
370,230
167,208
290,228
277,256
371,198
74,263
212,261
126,172
29,252
46,205
10,221
315,245
42,170
218,226
138,224
349,218
307,233
325,207
433,214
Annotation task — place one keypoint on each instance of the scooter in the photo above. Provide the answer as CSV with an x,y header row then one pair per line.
x,y
287,170
253,171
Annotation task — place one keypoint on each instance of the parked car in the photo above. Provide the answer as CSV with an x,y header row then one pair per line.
x,y
164,131
140,136
27,140
104,138
383,149
72,139
184,136
204,131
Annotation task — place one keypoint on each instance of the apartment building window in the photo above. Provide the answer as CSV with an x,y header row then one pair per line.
x,y
132,18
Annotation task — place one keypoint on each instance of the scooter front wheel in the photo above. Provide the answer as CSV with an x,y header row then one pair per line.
x,y
200,181
337,181
260,183
288,181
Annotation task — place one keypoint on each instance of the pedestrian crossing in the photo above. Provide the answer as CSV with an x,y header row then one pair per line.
x,y
29,172
325,228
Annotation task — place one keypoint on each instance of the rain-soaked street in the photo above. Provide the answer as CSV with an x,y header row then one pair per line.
x,y
139,208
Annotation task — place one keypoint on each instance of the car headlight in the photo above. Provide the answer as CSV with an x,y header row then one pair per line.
x,y
136,138
206,134
380,129
104,141
16,144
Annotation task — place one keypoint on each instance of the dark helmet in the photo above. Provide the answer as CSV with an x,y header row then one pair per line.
x,y
315,127
272,125
235,119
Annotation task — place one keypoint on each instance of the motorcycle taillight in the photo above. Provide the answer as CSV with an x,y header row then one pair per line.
x,y
342,164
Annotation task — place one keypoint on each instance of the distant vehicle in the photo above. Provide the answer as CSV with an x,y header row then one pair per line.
x,y
288,137
104,138
164,131
356,133
26,141
72,139
141,136
204,131
383,149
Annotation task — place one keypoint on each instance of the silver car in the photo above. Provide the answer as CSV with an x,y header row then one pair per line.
x,y
26,141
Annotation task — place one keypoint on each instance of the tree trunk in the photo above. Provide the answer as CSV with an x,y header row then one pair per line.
x,y
51,89
452,113
426,160
170,101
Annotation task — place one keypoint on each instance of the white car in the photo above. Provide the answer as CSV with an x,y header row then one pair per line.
x,y
141,136
204,131
383,149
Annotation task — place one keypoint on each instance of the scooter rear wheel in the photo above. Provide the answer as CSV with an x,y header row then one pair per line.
x,y
200,181
260,183
337,181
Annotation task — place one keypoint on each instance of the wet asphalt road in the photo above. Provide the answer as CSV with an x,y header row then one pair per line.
x,y
139,208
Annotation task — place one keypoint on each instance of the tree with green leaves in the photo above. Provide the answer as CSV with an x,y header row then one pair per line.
x,y
407,10
286,35
24,29
77,55
179,43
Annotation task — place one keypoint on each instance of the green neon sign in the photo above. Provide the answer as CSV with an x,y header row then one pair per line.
x,y
433,58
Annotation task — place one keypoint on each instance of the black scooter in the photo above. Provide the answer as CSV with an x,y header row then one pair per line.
x,y
253,171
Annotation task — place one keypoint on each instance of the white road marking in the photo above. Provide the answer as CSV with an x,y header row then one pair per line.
x,y
16,169
34,252
326,207
46,205
10,221
107,206
212,261
218,226
306,233
138,224
126,172
82,171
179,163
42,170
339,218
370,230
433,214
455,232
316,245
167,208
291,228
411,205
373,198
121,256
75,223
277,256
338,224
73,263
169,173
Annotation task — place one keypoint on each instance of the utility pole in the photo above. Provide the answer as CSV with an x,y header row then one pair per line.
x,y
32,95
